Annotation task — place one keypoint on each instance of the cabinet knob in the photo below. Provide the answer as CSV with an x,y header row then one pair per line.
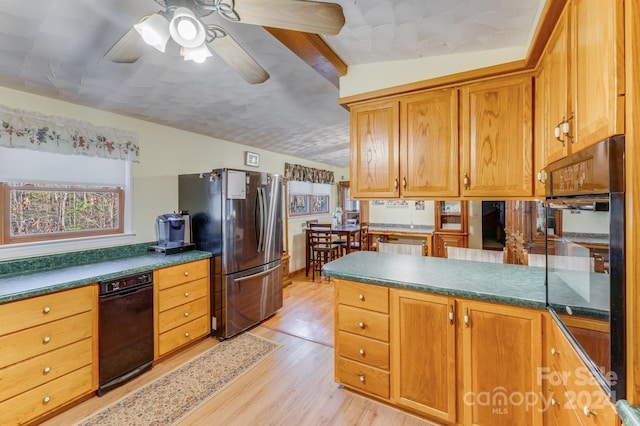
x,y
588,412
46,310
46,339
404,182
46,399
361,297
46,370
186,274
361,351
554,402
451,314
361,377
465,181
186,294
466,317
186,334
361,325
395,183
186,314
554,351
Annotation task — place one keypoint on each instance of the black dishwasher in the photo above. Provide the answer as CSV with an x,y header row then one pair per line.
x,y
125,329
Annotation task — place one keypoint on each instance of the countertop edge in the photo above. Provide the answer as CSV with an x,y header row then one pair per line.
x,y
150,262
629,414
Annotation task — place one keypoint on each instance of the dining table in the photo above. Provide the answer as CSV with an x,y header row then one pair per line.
x,y
346,230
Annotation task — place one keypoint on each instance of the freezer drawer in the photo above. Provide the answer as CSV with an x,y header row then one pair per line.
x,y
251,296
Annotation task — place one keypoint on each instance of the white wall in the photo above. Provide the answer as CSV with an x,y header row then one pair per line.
x,y
165,153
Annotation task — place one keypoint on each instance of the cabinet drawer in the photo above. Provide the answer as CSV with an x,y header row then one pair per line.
x,y
44,368
182,335
182,314
362,377
560,410
184,293
34,341
179,274
363,323
364,350
40,400
38,310
366,296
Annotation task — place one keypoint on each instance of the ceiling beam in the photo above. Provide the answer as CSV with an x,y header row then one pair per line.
x,y
312,49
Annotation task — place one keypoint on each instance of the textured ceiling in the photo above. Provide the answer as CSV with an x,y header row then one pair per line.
x,y
55,48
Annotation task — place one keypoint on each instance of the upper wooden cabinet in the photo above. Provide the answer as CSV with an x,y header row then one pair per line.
x,y
497,138
406,147
583,69
374,149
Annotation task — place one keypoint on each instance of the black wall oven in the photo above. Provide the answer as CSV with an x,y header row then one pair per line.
x,y
585,257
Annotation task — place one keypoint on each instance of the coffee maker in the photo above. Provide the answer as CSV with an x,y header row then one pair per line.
x,y
174,233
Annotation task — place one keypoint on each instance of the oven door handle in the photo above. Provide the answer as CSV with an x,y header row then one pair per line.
x,y
259,274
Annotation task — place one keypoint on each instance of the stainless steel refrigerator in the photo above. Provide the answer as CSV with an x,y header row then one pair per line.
x,y
237,216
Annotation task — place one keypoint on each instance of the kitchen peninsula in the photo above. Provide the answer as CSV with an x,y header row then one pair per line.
x,y
477,332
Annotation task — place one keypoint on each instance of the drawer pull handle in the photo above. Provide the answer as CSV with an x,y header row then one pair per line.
x,y
554,351
186,314
186,274
465,181
588,412
46,310
451,314
186,334
186,294
361,377
46,370
361,351
46,399
361,325
361,297
47,339
466,317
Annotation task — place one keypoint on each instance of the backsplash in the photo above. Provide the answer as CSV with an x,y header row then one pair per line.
x,y
65,260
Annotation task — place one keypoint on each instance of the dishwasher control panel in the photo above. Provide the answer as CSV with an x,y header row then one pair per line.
x,y
126,282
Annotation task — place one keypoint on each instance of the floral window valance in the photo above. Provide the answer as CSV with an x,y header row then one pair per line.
x,y
32,130
307,174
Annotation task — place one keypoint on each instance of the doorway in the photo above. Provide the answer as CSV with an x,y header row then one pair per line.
x,y
493,236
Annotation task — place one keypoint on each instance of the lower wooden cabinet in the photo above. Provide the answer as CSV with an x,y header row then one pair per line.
x,y
49,352
441,241
181,303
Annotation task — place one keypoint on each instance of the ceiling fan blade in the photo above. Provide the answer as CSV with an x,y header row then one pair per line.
x,y
238,58
127,49
307,16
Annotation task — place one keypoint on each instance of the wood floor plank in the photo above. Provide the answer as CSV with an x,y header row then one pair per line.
x,y
292,386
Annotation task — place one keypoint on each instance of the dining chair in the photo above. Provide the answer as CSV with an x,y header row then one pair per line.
x,y
360,240
322,249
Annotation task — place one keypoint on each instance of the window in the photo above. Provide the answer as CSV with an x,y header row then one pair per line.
x,y
40,212
306,198
51,203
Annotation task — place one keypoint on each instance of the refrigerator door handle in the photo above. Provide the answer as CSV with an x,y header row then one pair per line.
x,y
261,219
259,274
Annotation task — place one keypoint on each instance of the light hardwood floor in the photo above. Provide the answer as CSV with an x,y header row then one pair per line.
x,y
292,386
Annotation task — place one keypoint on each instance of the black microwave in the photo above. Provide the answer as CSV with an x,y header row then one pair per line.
x,y
585,259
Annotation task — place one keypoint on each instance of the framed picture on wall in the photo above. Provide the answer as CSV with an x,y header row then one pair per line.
x,y
319,204
299,205
251,159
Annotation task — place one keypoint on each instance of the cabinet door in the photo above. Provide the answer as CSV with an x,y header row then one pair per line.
x,y
374,150
497,138
442,241
423,355
429,144
556,64
598,69
501,357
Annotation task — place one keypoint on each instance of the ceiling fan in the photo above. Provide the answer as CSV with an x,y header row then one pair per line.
x,y
180,29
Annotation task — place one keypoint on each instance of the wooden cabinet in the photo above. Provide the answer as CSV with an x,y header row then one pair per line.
x,y
569,388
406,147
584,68
501,359
181,304
424,351
497,137
362,337
451,228
49,353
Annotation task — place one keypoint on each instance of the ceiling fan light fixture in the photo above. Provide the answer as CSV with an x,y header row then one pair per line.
x,y
186,29
154,30
196,54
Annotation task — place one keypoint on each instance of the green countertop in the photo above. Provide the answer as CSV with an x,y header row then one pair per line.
x,y
629,414
20,286
510,284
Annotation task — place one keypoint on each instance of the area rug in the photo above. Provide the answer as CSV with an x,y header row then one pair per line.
x,y
172,396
